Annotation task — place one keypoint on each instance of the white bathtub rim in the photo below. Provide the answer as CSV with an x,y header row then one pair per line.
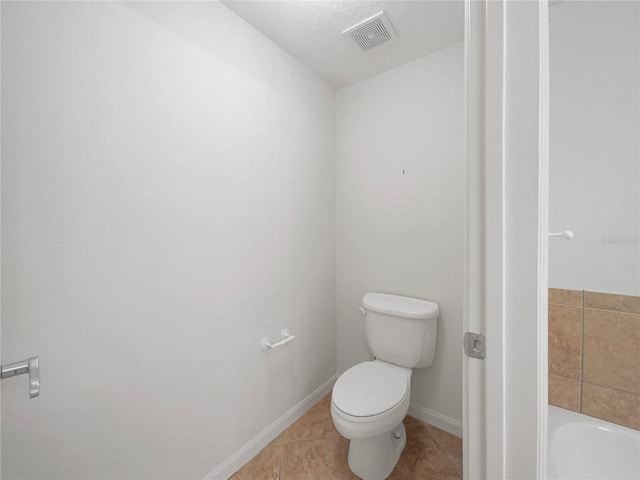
x,y
583,447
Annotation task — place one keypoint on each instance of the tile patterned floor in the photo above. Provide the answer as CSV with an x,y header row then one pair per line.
x,y
312,449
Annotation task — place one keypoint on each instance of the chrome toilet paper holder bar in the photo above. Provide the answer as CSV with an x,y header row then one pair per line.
x,y
285,337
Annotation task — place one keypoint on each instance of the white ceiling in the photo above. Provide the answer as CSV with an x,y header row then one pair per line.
x,y
311,31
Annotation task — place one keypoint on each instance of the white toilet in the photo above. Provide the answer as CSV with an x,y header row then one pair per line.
x,y
370,399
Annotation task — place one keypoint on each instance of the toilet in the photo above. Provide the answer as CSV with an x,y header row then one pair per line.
x,y
370,400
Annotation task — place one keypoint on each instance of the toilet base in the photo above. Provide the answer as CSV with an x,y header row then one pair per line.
x,y
374,458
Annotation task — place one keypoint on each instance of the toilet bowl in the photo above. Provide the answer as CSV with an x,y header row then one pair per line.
x,y
368,404
370,400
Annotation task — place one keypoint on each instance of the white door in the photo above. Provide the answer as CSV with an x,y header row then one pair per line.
x,y
507,97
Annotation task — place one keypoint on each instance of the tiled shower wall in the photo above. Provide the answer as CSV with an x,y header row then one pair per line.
x,y
594,354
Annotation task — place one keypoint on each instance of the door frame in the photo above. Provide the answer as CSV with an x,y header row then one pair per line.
x,y
0,245
506,87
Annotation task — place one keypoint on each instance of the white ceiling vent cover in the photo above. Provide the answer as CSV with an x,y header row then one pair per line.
x,y
371,32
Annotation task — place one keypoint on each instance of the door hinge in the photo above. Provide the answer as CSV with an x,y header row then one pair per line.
x,y
474,345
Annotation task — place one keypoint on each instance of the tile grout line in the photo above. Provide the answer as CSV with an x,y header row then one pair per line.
x,y
615,389
610,310
583,304
308,439
451,462
565,304
441,448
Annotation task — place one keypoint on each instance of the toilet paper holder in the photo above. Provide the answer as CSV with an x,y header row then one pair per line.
x,y
285,337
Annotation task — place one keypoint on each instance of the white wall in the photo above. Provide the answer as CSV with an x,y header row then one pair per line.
x,y
403,233
595,146
168,199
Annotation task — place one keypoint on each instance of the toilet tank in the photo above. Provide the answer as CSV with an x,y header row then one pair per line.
x,y
401,330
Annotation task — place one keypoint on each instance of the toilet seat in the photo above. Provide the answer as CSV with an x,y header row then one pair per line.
x,y
370,389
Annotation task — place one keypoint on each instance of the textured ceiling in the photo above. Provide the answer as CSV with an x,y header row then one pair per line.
x,y
311,31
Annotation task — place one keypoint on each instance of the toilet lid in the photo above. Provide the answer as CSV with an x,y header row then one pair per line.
x,y
369,388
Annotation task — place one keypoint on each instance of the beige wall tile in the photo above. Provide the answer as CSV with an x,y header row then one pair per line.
x,y
565,297
564,393
612,349
608,301
565,334
611,405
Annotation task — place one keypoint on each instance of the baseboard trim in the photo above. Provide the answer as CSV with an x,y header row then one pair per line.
x,y
436,419
262,439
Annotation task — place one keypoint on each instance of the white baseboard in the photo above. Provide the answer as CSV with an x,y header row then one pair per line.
x,y
436,419
262,439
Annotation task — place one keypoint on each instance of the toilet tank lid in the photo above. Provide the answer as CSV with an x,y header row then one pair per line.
x,y
400,306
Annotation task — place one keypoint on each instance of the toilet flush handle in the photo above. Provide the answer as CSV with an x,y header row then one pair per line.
x,y
362,310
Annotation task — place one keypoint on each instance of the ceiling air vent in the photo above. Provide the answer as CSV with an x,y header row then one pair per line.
x,y
371,32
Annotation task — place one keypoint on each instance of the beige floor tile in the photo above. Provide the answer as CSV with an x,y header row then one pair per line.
x,y
613,406
279,439
449,444
434,465
422,459
311,449
565,297
564,393
418,438
419,441
409,420
264,466
608,301
565,337
324,458
316,423
612,349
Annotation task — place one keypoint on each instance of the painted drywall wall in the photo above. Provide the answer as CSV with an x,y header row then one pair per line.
x,y
595,146
400,210
168,199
